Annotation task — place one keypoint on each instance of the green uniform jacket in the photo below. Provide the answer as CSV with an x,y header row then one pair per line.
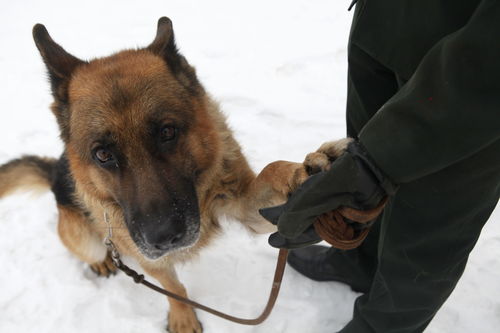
x,y
448,51
424,100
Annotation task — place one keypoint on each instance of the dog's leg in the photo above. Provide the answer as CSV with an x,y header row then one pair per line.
x,y
271,187
181,318
277,180
76,234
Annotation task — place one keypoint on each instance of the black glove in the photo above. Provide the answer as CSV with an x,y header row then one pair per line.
x,y
352,181
308,237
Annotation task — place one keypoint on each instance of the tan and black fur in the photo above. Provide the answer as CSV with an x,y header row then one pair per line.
x,y
145,144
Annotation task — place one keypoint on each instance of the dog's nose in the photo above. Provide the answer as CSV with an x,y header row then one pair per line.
x,y
164,235
157,232
165,241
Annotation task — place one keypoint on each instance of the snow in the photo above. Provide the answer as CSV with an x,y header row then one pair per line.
x,y
279,70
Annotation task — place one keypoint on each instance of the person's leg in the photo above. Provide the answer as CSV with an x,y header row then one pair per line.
x,y
370,85
427,233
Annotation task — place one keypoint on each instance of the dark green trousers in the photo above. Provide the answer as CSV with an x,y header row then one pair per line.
x,y
417,252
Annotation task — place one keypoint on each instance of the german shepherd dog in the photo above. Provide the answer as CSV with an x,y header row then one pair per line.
x,y
146,145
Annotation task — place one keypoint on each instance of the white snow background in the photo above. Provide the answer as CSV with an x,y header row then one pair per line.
x,y
279,70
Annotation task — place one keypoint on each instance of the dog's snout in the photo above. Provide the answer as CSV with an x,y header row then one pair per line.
x,y
158,234
159,227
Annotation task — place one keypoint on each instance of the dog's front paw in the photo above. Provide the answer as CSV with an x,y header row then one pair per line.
x,y
183,320
104,268
322,158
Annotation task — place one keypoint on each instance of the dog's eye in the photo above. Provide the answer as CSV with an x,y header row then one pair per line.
x,y
103,155
168,133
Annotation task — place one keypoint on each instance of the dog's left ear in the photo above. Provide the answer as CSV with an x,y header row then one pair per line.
x,y
164,46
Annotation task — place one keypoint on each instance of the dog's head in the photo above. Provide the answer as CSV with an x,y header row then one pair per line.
x,y
136,130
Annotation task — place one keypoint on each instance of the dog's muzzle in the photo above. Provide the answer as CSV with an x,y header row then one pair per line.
x,y
158,237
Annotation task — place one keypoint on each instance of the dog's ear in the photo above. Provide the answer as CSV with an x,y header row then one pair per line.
x,y
164,46
60,64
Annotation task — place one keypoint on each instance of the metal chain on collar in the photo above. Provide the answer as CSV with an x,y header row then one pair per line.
x,y
139,278
115,256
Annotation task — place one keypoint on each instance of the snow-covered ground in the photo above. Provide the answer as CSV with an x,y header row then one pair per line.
x,y
279,70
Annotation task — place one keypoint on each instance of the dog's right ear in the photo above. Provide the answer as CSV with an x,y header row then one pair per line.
x,y
60,64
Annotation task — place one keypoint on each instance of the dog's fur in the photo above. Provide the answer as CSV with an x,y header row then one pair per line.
x,y
145,144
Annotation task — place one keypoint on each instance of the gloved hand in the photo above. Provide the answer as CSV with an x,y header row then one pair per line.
x,y
353,180
308,237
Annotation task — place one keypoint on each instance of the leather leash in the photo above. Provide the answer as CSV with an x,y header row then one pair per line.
x,y
334,229
139,278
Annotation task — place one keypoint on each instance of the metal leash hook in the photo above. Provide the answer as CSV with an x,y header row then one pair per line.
x,y
115,256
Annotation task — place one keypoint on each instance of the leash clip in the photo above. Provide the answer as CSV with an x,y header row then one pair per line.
x,y
115,256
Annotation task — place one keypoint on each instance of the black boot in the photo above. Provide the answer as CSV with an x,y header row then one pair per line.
x,y
321,263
